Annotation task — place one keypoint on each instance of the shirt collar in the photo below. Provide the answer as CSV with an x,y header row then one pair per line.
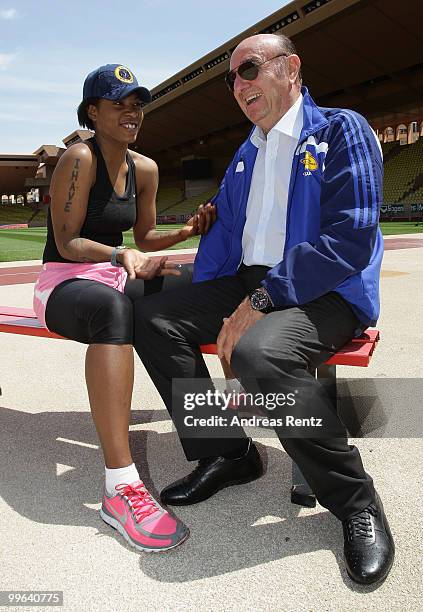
x,y
290,124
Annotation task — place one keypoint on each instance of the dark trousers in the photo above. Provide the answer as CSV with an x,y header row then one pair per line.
x,y
285,346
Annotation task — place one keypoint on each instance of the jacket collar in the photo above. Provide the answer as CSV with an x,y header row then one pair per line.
x,y
314,119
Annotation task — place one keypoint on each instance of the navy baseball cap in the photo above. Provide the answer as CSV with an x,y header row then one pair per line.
x,y
113,82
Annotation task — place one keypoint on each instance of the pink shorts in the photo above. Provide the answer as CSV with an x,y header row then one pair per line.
x,y
54,273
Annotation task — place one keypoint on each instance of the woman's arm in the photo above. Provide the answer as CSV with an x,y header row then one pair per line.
x,y
70,188
147,238
71,184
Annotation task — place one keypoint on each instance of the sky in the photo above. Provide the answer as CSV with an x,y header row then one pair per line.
x,y
48,47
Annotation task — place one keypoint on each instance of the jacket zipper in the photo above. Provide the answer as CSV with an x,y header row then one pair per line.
x,y
233,232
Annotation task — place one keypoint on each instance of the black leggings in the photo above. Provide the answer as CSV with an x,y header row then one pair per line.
x,y
92,313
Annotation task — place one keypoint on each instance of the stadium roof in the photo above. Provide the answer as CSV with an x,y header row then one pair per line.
x,y
14,169
361,54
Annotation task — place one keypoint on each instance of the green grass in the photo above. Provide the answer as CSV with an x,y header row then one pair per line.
x,y
25,244
391,228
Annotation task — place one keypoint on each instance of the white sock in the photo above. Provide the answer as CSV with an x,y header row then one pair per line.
x,y
115,476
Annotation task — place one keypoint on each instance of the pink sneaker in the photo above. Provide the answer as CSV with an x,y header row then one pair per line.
x,y
141,520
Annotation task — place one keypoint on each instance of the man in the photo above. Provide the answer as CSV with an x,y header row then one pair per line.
x,y
291,269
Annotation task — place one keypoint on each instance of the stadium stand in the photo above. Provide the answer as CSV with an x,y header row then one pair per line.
x,y
167,197
11,214
403,183
169,202
390,149
417,196
403,173
188,205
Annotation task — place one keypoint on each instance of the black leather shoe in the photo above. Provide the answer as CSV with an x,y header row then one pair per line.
x,y
211,475
368,545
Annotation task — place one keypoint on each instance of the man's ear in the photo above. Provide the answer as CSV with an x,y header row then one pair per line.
x,y
294,64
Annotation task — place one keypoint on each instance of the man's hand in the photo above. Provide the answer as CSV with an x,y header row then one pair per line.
x,y
140,265
201,222
235,327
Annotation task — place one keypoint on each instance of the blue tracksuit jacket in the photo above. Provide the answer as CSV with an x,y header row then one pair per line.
x,y
333,241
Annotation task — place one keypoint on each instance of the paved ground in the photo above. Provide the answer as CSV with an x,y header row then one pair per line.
x,y
249,548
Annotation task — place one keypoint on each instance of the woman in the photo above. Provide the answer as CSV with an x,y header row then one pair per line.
x,y
85,290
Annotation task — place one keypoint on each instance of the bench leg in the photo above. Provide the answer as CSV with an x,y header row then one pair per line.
x,y
301,493
328,373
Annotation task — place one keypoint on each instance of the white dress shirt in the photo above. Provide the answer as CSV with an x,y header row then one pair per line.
x,y
263,239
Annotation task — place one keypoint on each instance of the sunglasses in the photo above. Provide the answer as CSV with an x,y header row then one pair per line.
x,y
247,70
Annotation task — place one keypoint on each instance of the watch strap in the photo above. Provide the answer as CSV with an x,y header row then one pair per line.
x,y
115,252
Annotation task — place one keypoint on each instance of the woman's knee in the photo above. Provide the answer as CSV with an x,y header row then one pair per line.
x,y
113,321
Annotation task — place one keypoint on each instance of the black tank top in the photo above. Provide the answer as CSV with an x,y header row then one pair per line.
x,y
108,215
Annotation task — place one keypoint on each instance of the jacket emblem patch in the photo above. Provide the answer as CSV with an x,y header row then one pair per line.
x,y
309,162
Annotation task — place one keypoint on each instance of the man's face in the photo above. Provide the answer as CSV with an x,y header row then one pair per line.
x,y
266,99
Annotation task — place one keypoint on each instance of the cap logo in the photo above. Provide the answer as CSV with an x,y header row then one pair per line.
x,y
124,75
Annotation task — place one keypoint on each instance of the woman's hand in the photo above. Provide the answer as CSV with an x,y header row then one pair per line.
x,y
140,265
201,222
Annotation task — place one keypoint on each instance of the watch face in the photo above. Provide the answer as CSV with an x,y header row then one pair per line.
x,y
259,300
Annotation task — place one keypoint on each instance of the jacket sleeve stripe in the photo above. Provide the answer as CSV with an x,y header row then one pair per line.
x,y
373,180
355,177
368,181
358,171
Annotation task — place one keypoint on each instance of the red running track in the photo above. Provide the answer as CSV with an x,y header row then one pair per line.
x,y
21,275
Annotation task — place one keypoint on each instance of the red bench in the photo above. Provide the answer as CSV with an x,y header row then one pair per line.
x,y
357,352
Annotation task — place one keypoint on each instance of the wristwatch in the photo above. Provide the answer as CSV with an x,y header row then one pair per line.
x,y
260,300
115,252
